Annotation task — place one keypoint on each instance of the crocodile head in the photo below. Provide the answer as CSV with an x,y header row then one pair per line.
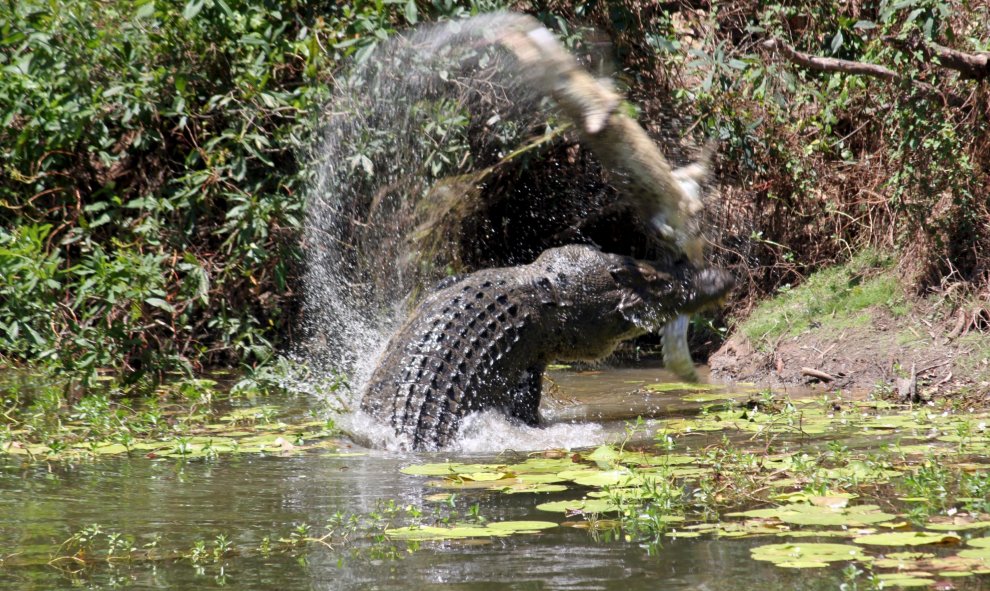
x,y
605,298
652,295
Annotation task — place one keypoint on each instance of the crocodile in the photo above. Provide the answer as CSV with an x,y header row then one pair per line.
x,y
484,340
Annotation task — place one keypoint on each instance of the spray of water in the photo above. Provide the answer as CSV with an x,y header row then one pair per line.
x,y
408,128
423,108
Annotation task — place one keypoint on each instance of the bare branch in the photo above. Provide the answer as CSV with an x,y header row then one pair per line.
x,y
829,64
971,66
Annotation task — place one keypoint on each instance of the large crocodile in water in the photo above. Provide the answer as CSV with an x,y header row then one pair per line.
x,y
484,341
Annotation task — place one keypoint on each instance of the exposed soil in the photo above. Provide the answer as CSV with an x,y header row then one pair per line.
x,y
904,358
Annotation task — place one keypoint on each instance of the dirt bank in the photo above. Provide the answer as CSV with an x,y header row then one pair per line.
x,y
854,328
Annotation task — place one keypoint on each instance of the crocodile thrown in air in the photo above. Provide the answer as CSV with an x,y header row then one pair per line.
x,y
484,341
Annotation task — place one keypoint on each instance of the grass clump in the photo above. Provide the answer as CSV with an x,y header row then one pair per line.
x,y
830,299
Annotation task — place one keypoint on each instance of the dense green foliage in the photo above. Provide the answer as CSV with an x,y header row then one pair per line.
x,y
152,180
151,186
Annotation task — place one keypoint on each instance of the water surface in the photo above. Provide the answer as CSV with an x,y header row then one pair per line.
x,y
172,504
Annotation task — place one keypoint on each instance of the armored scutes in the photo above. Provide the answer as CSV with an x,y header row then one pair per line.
x,y
484,341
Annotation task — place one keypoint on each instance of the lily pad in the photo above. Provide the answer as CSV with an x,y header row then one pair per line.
x,y
483,476
541,465
907,538
499,529
519,526
847,516
607,478
537,478
707,397
977,553
957,525
808,555
979,542
801,514
522,487
579,506
905,580
447,469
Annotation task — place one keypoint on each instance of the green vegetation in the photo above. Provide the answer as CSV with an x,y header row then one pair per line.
x,y
829,300
152,176
98,545
153,154
793,474
187,419
652,495
150,179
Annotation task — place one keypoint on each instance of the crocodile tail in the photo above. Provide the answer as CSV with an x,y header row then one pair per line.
x,y
676,355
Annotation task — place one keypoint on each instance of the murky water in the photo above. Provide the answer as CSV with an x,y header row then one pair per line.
x,y
250,498
171,504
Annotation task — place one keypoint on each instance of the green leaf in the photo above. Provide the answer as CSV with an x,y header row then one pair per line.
x,y
192,9
837,42
160,304
908,538
145,10
808,555
579,506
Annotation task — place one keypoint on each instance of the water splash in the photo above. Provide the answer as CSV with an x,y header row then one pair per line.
x,y
437,103
412,130
484,433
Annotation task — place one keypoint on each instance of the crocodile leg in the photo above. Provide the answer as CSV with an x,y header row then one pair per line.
x,y
526,398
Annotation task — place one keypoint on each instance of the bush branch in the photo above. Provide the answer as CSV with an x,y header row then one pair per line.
x,y
829,64
971,66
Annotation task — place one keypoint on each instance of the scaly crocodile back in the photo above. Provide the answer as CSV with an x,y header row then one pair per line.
x,y
448,359
484,341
